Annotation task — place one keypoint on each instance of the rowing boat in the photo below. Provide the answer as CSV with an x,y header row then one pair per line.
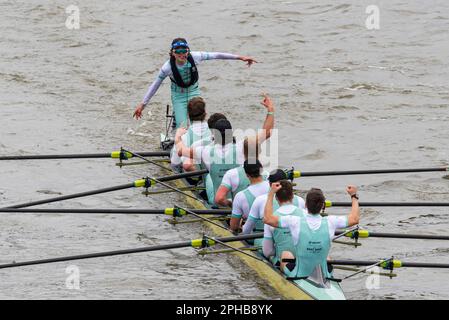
x,y
312,288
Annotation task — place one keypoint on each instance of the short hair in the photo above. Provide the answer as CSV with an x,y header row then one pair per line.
x,y
315,201
222,132
252,169
285,194
196,109
214,118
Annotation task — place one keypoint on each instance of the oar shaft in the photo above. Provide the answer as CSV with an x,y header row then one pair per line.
x,y
111,211
359,172
369,234
73,196
407,236
105,190
125,251
392,204
424,265
79,156
403,264
97,255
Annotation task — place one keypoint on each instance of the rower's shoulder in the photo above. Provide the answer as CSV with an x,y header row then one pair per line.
x,y
239,197
166,66
232,172
300,199
260,199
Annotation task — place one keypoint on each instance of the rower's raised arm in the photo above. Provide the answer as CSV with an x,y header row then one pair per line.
x,y
268,216
268,124
354,216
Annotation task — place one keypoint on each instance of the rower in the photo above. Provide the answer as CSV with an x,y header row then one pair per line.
x,y
244,199
225,153
311,233
278,240
187,163
198,129
236,180
255,216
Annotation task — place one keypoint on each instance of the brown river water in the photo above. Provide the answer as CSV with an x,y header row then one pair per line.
x,y
347,98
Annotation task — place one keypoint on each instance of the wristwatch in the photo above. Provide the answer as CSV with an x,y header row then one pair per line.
x,y
355,196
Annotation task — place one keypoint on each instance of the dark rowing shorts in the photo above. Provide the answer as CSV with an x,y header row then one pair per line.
x,y
291,264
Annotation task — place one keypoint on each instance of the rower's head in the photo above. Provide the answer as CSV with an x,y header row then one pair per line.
x,y
285,193
214,118
315,201
276,176
251,149
196,109
252,170
222,132
179,49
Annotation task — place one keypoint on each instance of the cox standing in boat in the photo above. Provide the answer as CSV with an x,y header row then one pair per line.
x,y
182,70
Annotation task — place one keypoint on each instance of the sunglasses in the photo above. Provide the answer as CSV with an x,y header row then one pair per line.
x,y
181,51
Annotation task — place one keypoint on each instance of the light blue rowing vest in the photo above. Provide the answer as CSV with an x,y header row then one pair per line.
x,y
181,96
206,139
192,137
218,167
282,237
243,182
312,250
250,199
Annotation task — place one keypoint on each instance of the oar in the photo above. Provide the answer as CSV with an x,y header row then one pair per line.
x,y
388,204
387,264
146,182
114,155
196,243
168,211
298,174
367,234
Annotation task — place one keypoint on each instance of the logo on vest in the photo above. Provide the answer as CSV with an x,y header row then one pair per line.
x,y
314,250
